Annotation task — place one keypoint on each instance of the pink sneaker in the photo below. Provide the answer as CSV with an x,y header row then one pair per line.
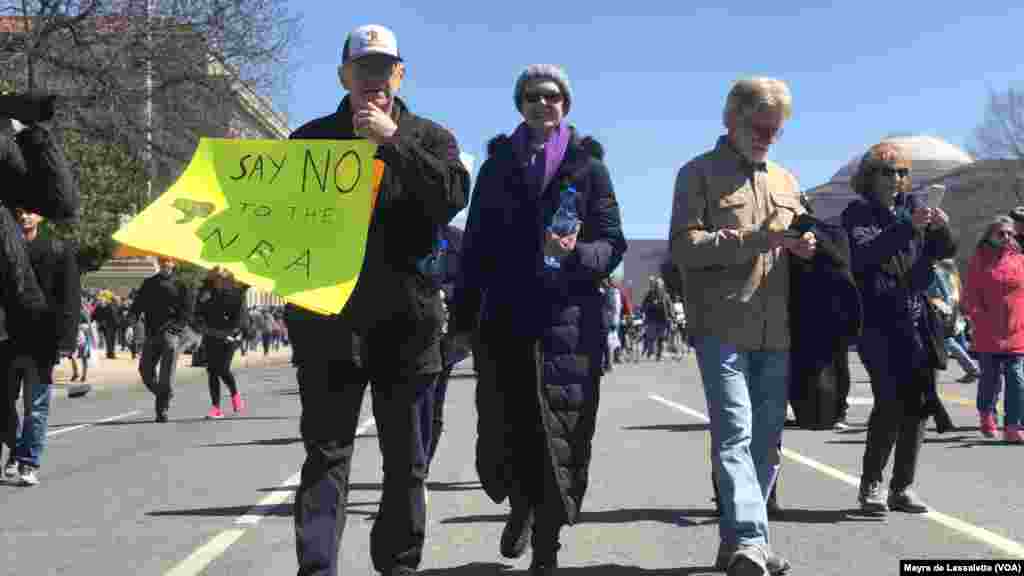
x,y
988,425
237,403
215,413
1012,434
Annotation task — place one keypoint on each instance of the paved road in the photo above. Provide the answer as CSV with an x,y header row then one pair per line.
x,y
122,495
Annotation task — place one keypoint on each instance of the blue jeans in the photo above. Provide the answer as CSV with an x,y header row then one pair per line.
x,y
37,377
746,396
955,348
996,369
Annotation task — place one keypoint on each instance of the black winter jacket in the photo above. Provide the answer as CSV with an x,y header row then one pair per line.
x,y
892,264
22,303
33,175
423,187
167,303
825,316
219,313
56,268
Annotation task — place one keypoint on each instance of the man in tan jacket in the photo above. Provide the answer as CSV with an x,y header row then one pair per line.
x,y
730,217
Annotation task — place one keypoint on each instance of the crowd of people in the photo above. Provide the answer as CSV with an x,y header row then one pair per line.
x,y
154,324
530,296
534,301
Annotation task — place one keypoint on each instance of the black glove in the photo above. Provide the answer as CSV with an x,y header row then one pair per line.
x,y
28,108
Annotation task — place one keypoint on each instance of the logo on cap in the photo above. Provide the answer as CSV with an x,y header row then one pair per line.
x,y
373,38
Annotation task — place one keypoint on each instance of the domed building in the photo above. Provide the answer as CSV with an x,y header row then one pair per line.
x,y
932,159
975,190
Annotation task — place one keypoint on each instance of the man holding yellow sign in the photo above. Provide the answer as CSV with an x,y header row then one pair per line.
x,y
388,334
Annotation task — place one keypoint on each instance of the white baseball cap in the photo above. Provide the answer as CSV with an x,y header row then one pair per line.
x,y
368,40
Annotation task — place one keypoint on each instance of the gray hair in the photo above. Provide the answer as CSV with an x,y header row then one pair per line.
x,y
543,72
998,221
750,95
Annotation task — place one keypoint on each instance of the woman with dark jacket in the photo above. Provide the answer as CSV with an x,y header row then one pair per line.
x,y
543,231
894,242
219,312
994,299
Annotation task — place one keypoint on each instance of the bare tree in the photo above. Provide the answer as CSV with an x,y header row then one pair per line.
x,y
151,75
1001,133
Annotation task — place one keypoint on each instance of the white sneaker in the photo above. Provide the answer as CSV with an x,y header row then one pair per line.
x,y
10,470
28,476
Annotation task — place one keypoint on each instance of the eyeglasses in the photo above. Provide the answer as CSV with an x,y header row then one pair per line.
x,y
548,97
890,171
373,68
766,132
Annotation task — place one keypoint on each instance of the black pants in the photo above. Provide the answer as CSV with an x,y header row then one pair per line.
x,y
110,339
8,412
161,349
437,412
219,353
895,420
331,392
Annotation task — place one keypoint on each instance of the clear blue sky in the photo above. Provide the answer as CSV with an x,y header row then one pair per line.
x,y
650,82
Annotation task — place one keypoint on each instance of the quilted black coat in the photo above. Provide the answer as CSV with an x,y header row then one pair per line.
x,y
502,283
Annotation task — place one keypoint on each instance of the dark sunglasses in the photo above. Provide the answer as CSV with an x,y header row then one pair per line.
x,y
889,171
549,97
766,132
373,68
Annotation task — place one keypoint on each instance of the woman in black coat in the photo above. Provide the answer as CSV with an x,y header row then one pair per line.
x,y
219,311
894,242
543,231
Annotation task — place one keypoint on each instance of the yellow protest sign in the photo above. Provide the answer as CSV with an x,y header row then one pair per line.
x,y
286,216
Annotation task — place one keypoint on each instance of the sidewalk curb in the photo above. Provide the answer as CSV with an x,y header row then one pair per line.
x,y
126,376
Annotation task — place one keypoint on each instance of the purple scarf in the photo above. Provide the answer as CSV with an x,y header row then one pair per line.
x,y
539,174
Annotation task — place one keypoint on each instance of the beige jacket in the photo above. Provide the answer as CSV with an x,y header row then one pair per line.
x,y
736,289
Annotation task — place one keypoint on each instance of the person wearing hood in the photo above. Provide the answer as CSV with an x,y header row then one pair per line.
x,y
389,333
895,240
994,300
543,231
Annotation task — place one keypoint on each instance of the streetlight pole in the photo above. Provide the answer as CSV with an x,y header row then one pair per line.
x,y
150,7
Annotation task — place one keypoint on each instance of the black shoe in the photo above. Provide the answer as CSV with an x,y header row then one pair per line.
x,y
775,512
906,501
516,534
545,567
161,417
967,378
79,390
402,571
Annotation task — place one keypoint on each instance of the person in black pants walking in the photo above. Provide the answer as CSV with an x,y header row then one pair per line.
x,y
166,303
389,333
219,316
895,240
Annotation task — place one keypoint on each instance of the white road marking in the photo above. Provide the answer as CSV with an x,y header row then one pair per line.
x,y
80,426
860,401
216,546
1000,543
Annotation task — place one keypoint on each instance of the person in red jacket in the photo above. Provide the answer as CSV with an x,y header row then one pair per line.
x,y
994,300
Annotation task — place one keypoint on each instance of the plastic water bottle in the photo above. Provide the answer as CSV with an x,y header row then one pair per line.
x,y
434,264
564,222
